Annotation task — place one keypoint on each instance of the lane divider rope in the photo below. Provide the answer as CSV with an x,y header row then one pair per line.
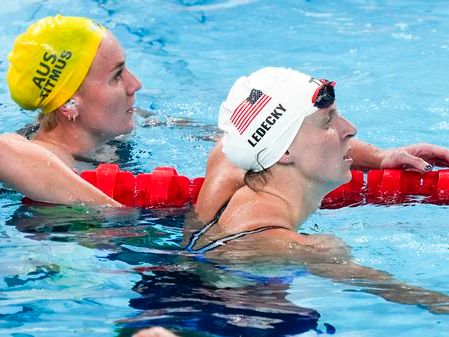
x,y
163,187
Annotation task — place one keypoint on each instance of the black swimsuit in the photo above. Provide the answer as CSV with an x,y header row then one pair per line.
x,y
220,242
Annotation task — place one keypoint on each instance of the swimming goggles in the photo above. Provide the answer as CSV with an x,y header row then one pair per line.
x,y
324,95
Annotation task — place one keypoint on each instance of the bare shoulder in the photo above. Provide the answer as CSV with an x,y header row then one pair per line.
x,y
12,145
285,244
20,156
318,243
12,137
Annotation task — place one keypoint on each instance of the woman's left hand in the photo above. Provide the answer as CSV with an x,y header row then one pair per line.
x,y
421,157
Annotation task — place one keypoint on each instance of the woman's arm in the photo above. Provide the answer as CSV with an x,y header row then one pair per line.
x,y
42,176
328,256
382,284
421,157
223,178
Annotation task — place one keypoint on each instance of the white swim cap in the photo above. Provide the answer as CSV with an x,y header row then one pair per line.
x,y
263,113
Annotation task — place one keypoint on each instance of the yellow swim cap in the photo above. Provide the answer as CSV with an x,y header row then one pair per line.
x,y
51,59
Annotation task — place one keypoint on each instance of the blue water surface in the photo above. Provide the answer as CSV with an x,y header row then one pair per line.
x,y
75,271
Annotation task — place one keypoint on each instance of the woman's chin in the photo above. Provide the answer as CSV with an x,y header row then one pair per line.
x,y
343,179
128,128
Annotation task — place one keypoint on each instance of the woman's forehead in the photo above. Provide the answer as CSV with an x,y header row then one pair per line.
x,y
325,112
110,54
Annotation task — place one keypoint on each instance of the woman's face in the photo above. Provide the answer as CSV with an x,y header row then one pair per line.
x,y
321,146
105,99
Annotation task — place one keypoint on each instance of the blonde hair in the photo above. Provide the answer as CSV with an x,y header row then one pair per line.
x,y
48,121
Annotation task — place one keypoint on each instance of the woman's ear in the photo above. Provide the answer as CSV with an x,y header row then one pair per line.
x,y
69,109
286,158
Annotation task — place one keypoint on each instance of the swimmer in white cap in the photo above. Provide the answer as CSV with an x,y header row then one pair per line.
x,y
282,128
255,140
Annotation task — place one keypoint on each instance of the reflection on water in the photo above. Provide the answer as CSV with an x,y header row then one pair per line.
x,y
186,302
186,294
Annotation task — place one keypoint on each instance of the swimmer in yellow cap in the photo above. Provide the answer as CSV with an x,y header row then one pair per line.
x,y
50,61
72,70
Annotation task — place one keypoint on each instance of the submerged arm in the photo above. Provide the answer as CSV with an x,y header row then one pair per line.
x,y
42,176
383,284
327,256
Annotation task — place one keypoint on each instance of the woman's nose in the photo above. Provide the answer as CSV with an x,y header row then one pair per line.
x,y
346,128
133,84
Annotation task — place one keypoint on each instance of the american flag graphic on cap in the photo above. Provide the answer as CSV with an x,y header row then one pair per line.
x,y
245,113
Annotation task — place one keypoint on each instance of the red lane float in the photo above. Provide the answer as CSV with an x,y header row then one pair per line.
x,y
391,187
165,188
161,188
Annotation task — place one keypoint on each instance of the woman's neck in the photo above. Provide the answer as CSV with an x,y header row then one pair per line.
x,y
287,199
301,196
67,141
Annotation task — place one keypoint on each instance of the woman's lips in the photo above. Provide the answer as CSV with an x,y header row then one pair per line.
x,y
347,158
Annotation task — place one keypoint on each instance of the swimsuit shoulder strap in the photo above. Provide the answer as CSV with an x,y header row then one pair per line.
x,y
195,236
221,242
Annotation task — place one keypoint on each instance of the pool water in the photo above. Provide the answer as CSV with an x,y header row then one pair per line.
x,y
76,271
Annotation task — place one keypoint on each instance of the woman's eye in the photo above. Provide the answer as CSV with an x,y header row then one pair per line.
x,y
118,75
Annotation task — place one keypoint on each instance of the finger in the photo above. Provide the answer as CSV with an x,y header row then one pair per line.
x,y
440,155
409,161
441,163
